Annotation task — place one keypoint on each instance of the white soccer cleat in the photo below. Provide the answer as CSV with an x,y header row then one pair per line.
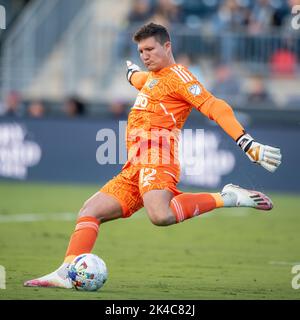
x,y
57,279
247,198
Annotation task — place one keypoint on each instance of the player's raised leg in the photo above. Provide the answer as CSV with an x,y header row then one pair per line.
x,y
164,209
100,208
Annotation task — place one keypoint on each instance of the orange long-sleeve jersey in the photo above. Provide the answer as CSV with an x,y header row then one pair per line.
x,y
165,100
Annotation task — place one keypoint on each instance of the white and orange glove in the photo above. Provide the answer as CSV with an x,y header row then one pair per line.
x,y
131,69
266,156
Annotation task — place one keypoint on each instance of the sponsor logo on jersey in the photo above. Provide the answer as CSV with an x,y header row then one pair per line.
x,y
152,83
141,101
195,89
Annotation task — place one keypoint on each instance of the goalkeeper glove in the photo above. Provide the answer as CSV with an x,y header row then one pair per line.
x,y
131,69
266,156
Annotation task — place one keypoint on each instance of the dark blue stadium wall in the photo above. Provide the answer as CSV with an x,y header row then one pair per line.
x,y
58,150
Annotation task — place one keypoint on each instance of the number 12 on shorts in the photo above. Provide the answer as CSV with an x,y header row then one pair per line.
x,y
146,176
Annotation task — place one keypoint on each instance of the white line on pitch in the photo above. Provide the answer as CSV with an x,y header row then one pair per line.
x,y
283,263
71,216
33,217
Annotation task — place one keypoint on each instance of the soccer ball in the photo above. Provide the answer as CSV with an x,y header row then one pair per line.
x,y
88,272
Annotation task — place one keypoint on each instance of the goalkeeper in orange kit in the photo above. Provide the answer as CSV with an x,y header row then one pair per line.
x,y
167,94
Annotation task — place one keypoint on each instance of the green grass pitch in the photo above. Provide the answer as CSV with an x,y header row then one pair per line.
x,y
225,254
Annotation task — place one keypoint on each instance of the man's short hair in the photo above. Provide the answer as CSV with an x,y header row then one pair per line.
x,y
159,32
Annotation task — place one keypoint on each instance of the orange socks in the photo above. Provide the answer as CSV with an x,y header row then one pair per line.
x,y
189,205
83,238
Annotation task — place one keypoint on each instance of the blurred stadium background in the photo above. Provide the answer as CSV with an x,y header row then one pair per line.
x,y
62,79
63,71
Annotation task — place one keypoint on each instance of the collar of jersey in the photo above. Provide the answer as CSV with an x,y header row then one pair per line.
x,y
164,70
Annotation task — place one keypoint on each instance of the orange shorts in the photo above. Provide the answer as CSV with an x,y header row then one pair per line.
x,y
133,181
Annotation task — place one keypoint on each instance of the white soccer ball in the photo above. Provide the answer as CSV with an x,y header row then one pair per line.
x,y
88,272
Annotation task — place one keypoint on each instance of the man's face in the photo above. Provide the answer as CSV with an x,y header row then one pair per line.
x,y
154,55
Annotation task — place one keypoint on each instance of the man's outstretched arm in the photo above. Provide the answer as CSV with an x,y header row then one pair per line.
x,y
222,113
219,111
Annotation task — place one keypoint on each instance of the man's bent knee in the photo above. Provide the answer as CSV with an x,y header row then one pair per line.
x,y
161,219
157,203
87,210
